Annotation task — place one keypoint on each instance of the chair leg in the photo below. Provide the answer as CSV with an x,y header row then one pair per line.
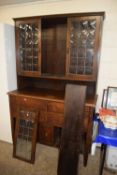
x,y
102,158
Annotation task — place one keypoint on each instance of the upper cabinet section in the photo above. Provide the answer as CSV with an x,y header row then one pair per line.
x,y
54,38
83,47
28,46
59,46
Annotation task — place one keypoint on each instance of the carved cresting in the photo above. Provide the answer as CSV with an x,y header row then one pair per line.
x,y
71,139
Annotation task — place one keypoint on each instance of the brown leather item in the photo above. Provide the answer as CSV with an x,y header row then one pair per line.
x,y
71,139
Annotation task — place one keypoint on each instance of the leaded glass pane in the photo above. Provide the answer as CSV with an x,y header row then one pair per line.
x,y
28,46
25,135
82,43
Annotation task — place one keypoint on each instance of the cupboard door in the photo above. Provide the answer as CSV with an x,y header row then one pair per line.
x,y
55,119
83,47
45,134
28,45
25,135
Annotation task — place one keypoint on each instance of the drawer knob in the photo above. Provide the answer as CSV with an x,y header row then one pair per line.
x,y
27,114
25,99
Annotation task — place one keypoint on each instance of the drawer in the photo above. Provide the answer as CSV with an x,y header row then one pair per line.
x,y
55,119
55,107
32,103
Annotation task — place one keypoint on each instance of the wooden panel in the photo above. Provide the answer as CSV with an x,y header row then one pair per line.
x,y
71,140
45,134
42,116
55,107
54,46
30,102
88,124
13,113
55,119
13,105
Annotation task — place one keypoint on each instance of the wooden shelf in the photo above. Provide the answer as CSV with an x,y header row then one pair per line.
x,y
46,94
40,93
70,77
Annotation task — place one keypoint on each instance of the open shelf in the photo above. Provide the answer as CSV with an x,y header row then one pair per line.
x,y
54,34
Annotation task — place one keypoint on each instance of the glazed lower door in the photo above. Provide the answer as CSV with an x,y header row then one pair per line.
x,y
25,136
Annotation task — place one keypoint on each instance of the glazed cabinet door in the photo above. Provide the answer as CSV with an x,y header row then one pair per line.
x,y
46,134
83,43
28,46
25,135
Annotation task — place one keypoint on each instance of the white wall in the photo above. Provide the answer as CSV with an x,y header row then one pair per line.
x,y
108,63
7,78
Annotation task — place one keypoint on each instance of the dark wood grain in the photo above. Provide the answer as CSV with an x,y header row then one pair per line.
x,y
54,46
73,130
50,106
43,89
101,13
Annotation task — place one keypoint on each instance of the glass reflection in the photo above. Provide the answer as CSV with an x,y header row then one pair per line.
x,y
28,52
25,135
82,43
